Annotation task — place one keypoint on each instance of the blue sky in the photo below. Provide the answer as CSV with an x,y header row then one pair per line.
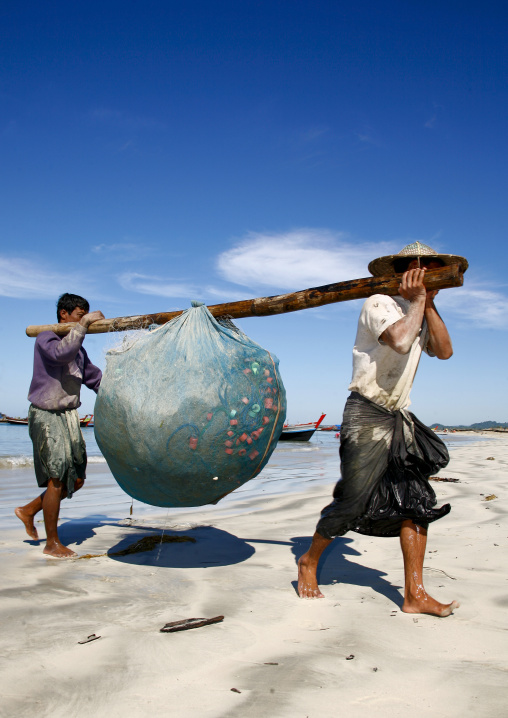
x,y
158,152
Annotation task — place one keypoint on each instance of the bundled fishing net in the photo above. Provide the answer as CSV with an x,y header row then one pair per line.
x,y
189,411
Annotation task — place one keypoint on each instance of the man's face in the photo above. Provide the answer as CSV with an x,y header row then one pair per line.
x,y
424,262
74,316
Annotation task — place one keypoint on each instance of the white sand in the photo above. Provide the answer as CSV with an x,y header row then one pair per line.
x,y
243,566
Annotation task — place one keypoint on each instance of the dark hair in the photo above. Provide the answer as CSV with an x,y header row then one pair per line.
x,y
69,302
400,264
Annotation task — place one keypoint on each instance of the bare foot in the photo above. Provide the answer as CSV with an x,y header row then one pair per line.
x,y
55,549
426,604
28,520
307,581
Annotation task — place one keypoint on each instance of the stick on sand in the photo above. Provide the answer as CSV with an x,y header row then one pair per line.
x,y
442,278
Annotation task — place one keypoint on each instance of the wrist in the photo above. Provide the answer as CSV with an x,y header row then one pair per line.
x,y
419,300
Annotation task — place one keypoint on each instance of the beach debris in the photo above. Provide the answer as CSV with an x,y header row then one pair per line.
x,y
235,690
375,669
442,478
490,497
276,664
147,543
90,555
188,623
350,657
90,638
490,458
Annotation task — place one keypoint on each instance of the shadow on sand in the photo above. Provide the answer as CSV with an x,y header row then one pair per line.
x,y
335,568
215,547
211,546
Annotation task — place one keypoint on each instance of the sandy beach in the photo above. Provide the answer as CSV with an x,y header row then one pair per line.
x,y
353,652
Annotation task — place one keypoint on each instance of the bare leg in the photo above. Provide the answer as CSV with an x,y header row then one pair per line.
x,y
413,540
27,513
51,509
307,568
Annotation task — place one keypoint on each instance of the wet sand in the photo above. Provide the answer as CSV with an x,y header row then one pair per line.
x,y
284,656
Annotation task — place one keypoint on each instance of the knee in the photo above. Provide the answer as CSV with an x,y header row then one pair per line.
x,y
55,485
78,484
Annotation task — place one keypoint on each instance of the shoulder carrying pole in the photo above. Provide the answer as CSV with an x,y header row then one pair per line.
x,y
442,278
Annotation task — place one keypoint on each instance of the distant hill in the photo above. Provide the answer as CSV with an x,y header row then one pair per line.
x,y
478,425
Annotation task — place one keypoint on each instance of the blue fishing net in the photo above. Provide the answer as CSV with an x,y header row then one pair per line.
x,y
189,412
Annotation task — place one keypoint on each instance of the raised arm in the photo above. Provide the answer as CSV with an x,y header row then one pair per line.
x,y
439,342
401,335
62,351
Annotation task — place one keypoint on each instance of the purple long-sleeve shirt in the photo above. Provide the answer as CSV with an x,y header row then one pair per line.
x,y
61,365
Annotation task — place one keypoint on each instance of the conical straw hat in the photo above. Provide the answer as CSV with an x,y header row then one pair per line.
x,y
384,265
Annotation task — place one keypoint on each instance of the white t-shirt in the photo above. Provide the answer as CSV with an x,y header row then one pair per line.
x,y
380,373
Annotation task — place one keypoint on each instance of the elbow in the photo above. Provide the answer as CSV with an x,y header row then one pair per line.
x,y
447,354
397,339
401,347
442,351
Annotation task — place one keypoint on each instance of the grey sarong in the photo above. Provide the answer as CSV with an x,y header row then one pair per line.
x,y
387,458
59,447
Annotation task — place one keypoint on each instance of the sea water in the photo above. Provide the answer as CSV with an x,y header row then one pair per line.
x,y
16,447
294,467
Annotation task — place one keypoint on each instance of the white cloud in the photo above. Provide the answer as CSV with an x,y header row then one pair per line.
x,y
310,135
158,286
432,121
298,259
367,138
226,295
28,279
122,251
475,306
113,248
303,258
314,133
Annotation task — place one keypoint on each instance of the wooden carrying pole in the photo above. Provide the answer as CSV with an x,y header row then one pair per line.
x,y
441,278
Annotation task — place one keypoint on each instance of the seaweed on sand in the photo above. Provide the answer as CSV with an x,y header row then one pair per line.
x,y
147,543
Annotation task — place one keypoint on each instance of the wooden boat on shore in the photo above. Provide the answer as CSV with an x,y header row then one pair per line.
x,y
300,432
329,427
85,421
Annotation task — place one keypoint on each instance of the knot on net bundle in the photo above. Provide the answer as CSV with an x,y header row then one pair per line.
x,y
190,411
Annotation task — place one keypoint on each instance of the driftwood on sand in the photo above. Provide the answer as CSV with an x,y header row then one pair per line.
x,y
442,478
188,623
442,278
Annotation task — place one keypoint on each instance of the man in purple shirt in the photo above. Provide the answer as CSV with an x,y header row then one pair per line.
x,y
61,366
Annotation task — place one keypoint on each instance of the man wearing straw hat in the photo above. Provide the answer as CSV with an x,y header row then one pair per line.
x,y
387,455
61,366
